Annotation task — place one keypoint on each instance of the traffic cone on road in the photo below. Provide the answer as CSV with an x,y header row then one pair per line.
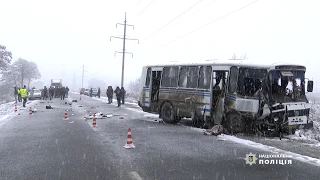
x,y
129,143
65,116
30,111
15,108
94,120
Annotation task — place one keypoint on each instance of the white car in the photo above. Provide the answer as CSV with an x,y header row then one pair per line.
x,y
35,94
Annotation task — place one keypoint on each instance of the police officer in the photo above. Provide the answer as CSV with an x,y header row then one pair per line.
x,y
23,92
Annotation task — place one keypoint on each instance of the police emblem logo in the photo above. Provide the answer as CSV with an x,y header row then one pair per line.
x,y
250,159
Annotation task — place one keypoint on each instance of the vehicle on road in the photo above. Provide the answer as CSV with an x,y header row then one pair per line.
x,y
56,82
86,92
94,92
34,94
242,96
82,90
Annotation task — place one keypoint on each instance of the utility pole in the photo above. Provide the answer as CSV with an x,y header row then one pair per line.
x,y
124,44
82,81
82,75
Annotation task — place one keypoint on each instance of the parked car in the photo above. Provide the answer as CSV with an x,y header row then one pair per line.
x,y
94,92
86,92
34,94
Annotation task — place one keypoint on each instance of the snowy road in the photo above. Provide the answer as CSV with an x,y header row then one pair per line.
x,y
44,146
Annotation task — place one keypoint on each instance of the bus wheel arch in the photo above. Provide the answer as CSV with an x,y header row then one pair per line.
x,y
167,112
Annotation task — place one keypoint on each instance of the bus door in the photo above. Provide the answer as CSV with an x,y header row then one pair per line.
x,y
146,89
155,83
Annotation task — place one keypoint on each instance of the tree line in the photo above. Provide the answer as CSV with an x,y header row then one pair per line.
x,y
15,74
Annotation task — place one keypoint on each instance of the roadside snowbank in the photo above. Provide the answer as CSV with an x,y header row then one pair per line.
x,y
7,110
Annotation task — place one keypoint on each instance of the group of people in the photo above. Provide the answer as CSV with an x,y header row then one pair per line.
x,y
120,94
55,92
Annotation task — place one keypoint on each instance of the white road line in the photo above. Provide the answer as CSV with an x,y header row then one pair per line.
x,y
134,175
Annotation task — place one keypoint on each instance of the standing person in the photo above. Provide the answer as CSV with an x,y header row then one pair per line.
x,y
110,94
99,92
19,95
67,91
24,95
62,93
123,94
16,94
51,92
45,90
45,93
118,95
90,92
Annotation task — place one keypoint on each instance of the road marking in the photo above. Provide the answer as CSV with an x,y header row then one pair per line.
x,y
134,175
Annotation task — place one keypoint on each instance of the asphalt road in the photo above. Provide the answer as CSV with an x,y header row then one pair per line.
x,y
45,146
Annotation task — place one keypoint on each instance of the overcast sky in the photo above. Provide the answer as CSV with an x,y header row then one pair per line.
x,y
62,35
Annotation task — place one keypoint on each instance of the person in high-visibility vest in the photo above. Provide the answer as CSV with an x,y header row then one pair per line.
x,y
23,92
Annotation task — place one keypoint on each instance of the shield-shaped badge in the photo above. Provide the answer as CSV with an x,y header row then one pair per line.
x,y
250,158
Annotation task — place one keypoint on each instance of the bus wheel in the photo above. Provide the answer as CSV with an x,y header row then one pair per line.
x,y
235,124
167,113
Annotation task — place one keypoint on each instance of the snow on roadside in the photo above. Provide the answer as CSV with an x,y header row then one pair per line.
x,y
299,157
7,111
311,136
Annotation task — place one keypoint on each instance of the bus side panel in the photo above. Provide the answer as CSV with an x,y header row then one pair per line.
x,y
187,101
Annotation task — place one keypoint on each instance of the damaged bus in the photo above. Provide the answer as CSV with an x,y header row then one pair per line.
x,y
242,96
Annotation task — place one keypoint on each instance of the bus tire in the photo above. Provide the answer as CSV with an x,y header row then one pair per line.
x,y
167,113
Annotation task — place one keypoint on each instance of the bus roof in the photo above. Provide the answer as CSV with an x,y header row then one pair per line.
x,y
242,63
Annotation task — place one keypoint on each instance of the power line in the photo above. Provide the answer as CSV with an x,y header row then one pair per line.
x,y
173,19
146,7
140,1
222,17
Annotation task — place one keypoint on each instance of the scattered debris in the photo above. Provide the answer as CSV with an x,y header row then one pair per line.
x,y
49,107
215,131
42,102
66,103
71,122
70,104
74,100
80,106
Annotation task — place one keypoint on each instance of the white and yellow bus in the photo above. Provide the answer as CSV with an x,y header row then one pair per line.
x,y
235,93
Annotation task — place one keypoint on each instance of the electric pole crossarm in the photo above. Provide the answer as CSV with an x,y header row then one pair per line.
x,y
122,52
125,25
116,37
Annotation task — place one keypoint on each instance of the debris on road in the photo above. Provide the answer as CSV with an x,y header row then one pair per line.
x,y
71,122
70,103
80,106
65,102
74,101
215,131
49,107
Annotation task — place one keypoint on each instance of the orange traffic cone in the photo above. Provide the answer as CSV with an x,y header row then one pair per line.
x,y
15,108
129,143
30,111
65,116
94,120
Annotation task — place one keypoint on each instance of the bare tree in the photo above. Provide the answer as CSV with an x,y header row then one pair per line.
x,y
5,58
133,88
